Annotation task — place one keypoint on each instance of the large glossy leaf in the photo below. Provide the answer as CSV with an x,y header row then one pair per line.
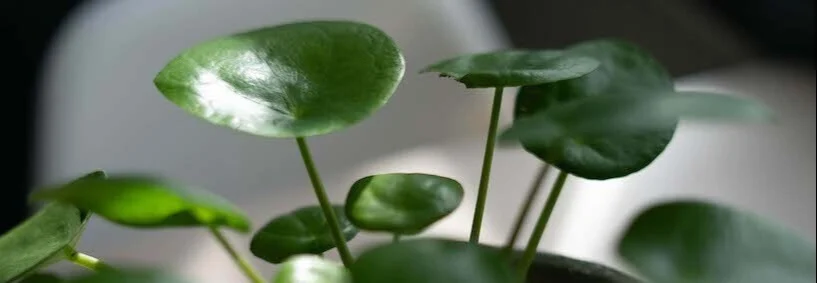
x,y
624,69
292,80
303,231
130,276
41,239
610,116
513,68
144,202
401,203
311,269
432,261
693,241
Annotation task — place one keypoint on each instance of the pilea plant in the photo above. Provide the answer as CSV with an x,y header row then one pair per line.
x,y
597,110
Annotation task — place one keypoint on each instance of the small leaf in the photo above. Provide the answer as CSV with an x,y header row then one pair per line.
x,y
401,203
626,114
311,269
292,80
691,241
432,261
130,276
513,68
41,278
144,202
623,67
40,240
303,231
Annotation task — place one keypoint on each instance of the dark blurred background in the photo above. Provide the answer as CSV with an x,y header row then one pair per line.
x,y
688,36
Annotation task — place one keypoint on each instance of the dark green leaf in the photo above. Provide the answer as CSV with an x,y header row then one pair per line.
x,y
513,68
401,203
627,114
41,278
311,269
624,69
691,241
40,240
144,202
293,80
432,261
130,276
303,231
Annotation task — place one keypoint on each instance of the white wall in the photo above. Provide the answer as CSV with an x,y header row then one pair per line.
x,y
102,111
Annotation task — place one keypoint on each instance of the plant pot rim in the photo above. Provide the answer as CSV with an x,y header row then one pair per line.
x,y
549,267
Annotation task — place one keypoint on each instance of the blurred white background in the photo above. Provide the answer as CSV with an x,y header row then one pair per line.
x,y
102,111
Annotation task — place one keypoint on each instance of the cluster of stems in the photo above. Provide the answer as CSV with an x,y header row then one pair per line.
x,y
482,194
523,264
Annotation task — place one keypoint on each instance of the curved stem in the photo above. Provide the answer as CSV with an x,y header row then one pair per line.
x,y
541,224
487,159
242,263
523,213
395,238
326,206
85,260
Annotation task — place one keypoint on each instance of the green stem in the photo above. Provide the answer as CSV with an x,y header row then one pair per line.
x,y
242,263
326,206
521,218
85,260
541,224
482,194
395,238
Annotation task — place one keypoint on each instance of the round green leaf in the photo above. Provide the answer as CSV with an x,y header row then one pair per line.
x,y
624,69
293,80
513,68
303,231
691,241
41,239
311,269
129,276
401,203
627,114
432,261
144,202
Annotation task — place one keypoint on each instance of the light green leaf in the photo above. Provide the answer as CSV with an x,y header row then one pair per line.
x,y
693,241
627,114
402,203
292,80
432,261
41,239
624,68
303,231
144,202
513,68
311,269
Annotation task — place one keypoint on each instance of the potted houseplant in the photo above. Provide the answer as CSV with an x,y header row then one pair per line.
x,y
597,110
